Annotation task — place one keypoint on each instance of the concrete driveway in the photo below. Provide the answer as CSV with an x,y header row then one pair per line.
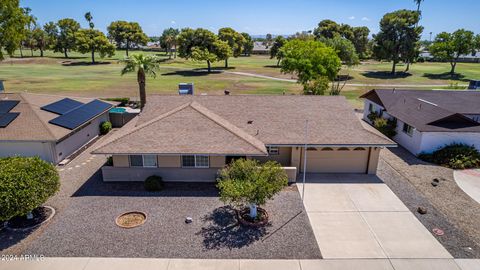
x,y
359,217
469,182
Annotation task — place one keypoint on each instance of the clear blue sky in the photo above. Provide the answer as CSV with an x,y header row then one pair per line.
x,y
256,17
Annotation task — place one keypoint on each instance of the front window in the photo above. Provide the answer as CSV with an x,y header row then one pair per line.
x,y
136,161
195,161
143,161
273,150
407,129
370,107
149,161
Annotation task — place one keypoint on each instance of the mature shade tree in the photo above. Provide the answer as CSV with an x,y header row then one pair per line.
x,y
398,36
144,65
31,24
360,41
91,41
67,28
344,48
304,35
450,46
51,31
127,34
275,51
248,45
313,62
234,40
40,39
201,45
12,27
169,40
326,29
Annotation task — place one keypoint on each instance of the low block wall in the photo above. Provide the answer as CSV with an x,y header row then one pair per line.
x,y
117,174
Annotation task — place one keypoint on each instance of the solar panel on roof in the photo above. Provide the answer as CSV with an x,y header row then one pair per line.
x,y
7,118
7,105
81,115
62,106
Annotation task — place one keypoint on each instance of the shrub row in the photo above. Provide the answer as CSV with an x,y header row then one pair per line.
x,y
455,156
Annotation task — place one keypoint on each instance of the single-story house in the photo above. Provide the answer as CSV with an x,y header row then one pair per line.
x,y
428,120
189,138
49,126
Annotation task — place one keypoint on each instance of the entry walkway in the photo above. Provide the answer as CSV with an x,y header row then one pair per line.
x,y
359,217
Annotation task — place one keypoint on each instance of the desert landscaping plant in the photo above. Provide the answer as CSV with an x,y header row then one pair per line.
x,y
455,156
105,127
153,183
25,184
247,183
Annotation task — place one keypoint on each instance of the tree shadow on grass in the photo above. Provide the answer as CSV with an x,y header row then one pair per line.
x,y
272,66
224,231
191,73
83,63
386,75
446,76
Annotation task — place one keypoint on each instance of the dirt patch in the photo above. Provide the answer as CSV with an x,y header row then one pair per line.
x,y
131,219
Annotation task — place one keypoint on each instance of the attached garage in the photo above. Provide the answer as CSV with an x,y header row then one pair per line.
x,y
341,160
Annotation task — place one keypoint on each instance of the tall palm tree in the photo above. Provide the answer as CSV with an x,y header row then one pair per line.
x,y
418,3
144,65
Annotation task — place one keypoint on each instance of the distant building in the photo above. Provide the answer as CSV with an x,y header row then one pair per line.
x,y
260,48
465,58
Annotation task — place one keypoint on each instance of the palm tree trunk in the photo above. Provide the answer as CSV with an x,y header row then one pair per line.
x,y
141,86
209,66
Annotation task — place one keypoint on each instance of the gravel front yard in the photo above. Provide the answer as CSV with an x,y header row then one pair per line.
x,y
449,208
87,226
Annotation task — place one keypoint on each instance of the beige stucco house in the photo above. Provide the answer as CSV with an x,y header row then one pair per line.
x,y
189,138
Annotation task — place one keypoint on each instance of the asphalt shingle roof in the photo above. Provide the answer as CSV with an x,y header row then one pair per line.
x,y
431,111
240,124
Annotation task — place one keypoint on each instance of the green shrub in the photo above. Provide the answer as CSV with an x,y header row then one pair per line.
x,y
153,183
123,100
109,161
386,126
455,156
105,127
25,184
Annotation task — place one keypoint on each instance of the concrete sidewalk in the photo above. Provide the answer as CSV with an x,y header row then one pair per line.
x,y
185,264
469,182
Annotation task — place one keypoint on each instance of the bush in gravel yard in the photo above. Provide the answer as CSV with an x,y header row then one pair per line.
x,y
105,127
153,183
455,156
386,126
25,184
246,182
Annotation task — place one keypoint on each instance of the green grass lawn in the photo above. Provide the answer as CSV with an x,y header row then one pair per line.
x,y
75,76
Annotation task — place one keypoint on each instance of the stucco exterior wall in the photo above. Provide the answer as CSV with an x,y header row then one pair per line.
x,y
217,161
373,162
120,161
169,162
410,142
432,141
295,159
44,150
283,157
74,142
135,174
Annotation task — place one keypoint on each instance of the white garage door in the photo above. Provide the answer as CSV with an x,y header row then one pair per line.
x,y
337,160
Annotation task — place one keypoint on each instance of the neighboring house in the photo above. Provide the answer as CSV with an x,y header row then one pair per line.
x,y
428,120
474,57
189,138
260,48
48,126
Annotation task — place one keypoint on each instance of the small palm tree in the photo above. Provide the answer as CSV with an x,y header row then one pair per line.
x,y
145,65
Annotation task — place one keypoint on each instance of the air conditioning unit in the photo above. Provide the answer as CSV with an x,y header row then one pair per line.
x,y
185,88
